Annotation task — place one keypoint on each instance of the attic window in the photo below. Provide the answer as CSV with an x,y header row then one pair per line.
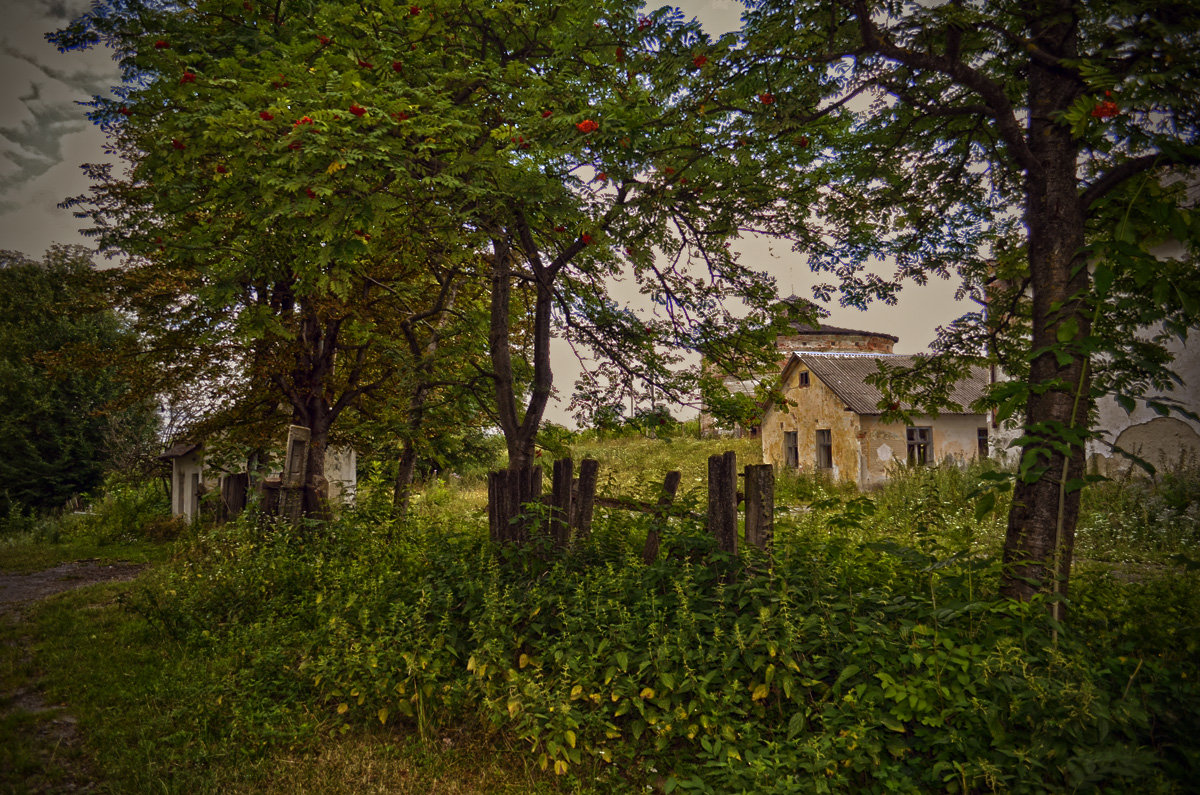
x,y
804,378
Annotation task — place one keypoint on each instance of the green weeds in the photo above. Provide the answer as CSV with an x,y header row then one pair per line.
x,y
871,654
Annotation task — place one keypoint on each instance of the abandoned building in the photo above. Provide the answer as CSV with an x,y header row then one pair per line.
x,y
833,424
191,480
802,337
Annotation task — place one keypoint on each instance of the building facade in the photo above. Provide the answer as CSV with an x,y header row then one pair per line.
x,y
831,421
801,337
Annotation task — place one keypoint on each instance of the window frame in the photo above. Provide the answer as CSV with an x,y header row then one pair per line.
x,y
824,447
791,449
919,445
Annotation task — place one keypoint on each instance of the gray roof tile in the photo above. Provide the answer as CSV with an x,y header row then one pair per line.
x,y
845,374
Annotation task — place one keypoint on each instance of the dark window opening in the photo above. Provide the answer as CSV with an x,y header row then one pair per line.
x,y
983,442
824,449
791,449
804,379
920,446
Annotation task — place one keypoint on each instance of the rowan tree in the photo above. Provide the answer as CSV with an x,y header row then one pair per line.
x,y
286,150
1038,150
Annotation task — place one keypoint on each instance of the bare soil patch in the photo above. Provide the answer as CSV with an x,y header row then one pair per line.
x,y
18,589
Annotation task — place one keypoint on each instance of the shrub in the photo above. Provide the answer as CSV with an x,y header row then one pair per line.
x,y
869,657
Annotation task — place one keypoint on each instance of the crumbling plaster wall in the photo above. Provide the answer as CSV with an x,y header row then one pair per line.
x,y
885,445
850,343
341,465
187,484
1163,441
815,407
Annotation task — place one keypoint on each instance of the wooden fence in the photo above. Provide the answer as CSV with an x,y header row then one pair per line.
x,y
516,506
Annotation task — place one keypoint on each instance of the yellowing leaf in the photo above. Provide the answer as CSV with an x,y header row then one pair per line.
x,y
576,690
471,663
571,738
383,715
513,706
342,708
560,767
335,167
647,692
760,692
523,660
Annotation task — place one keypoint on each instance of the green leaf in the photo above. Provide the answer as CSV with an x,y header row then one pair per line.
x,y
1067,330
985,505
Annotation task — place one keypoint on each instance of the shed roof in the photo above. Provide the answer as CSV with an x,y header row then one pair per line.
x,y
178,450
845,374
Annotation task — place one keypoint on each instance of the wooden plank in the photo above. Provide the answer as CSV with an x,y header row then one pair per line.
x,y
589,470
666,497
496,493
760,505
529,490
722,500
560,502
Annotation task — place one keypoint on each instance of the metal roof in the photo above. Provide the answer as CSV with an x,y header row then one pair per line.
x,y
845,374
179,449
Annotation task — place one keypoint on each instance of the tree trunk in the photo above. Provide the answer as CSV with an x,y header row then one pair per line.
x,y
311,376
316,487
1045,507
405,468
519,430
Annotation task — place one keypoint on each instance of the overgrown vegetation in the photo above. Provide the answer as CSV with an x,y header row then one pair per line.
x,y
872,655
127,521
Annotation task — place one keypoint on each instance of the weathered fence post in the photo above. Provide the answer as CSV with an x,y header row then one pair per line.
x,y
234,489
760,505
561,502
585,497
497,510
295,474
722,500
509,490
665,498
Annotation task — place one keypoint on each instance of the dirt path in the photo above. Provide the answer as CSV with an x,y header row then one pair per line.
x,y
48,758
17,589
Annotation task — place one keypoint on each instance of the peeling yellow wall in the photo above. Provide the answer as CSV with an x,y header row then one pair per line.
x,y
955,436
864,449
816,407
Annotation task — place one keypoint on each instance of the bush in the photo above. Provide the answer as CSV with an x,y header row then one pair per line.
x,y
872,656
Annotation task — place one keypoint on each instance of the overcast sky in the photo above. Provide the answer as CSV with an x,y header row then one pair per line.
x,y
45,138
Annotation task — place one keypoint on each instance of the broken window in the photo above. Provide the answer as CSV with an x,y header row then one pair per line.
x,y
824,449
920,446
791,449
983,442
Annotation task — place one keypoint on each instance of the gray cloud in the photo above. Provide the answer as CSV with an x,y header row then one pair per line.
x,y
44,131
